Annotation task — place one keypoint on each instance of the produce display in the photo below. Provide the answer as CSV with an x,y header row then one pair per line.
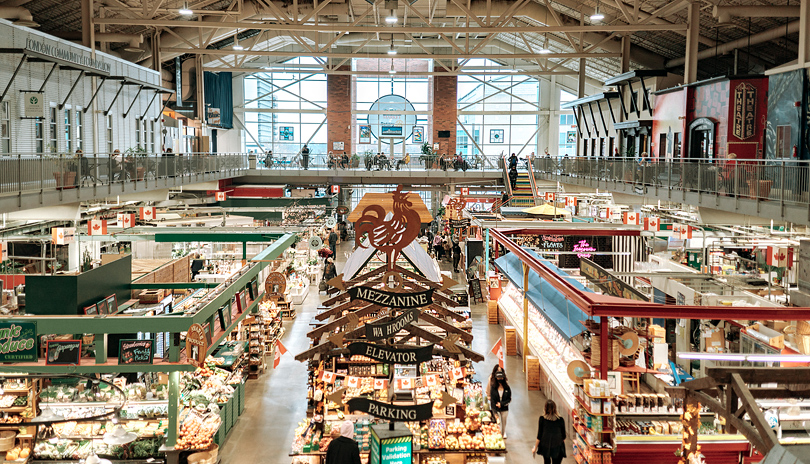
x,y
18,453
81,449
197,430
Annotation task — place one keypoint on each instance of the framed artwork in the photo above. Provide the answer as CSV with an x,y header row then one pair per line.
x,y
91,310
365,133
615,383
209,333
286,133
571,137
112,304
102,307
496,136
418,134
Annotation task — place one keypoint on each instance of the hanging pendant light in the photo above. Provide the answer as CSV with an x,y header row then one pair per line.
x,y
391,18
236,45
597,16
392,50
185,11
392,70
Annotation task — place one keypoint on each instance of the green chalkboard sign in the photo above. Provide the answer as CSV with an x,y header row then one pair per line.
x,y
18,342
63,352
136,351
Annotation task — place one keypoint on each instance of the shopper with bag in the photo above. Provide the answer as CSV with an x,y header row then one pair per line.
x,y
329,273
550,435
500,395
343,450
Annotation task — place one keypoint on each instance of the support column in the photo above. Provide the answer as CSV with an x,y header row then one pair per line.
x,y
445,112
156,60
804,32
200,89
692,39
525,315
580,94
339,110
604,347
625,61
88,32
486,253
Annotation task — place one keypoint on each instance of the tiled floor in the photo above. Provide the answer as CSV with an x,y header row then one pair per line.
x,y
276,401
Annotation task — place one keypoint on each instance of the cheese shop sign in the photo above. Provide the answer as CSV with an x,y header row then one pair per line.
x,y
18,341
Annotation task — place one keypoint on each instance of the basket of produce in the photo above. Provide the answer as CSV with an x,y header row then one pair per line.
x,y
7,439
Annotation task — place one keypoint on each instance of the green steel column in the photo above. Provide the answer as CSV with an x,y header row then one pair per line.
x,y
244,251
174,349
100,342
174,406
486,255
525,314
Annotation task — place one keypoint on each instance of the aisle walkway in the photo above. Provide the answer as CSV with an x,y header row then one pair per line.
x,y
276,402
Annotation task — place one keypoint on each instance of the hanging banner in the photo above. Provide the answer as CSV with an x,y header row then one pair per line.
x,y
148,213
383,330
18,342
97,227
63,235
390,412
460,223
392,355
390,299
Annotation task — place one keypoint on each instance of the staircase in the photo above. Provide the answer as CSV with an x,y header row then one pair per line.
x,y
523,195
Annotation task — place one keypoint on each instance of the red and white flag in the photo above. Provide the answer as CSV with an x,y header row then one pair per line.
x,y
431,380
353,382
97,227
280,350
125,220
380,384
497,350
682,231
630,217
570,201
777,256
222,196
405,383
148,213
465,191
549,196
457,373
652,223
3,251
327,377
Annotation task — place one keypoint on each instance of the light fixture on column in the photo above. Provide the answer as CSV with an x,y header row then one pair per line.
x,y
185,11
392,50
392,17
236,45
597,16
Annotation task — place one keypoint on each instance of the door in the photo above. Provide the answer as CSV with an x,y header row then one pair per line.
x,y
662,146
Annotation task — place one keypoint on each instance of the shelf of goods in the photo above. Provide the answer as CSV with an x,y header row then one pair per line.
x,y
212,400
593,423
553,351
256,345
273,326
17,402
298,288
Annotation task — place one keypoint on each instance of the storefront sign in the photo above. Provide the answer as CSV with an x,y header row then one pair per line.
x,y
582,248
18,342
609,283
275,284
392,355
213,116
388,329
34,104
460,223
63,352
394,450
390,299
390,412
342,210
136,352
196,344
552,242
745,111
66,55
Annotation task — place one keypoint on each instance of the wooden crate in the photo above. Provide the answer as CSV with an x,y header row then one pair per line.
x,y
532,373
596,352
492,311
510,340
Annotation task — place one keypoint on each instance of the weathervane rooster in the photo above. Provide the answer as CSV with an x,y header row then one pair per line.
x,y
391,232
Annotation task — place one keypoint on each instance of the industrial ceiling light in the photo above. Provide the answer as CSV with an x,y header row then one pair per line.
x,y
392,70
185,11
597,16
236,45
391,18
545,50
392,50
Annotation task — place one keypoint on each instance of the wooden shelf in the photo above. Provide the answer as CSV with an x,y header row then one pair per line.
x,y
588,410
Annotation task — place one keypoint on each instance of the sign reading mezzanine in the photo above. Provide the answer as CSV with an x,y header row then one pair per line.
x,y
390,299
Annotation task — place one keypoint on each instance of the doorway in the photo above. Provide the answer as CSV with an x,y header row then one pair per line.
x,y
701,139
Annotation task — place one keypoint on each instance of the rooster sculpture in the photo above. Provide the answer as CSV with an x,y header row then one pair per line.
x,y
391,232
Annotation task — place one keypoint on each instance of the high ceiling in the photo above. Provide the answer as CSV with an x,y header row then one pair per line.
x,y
531,35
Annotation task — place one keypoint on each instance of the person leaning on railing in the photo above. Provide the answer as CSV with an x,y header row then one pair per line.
x,y
729,170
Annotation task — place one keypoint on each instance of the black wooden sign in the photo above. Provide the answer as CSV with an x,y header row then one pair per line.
x,y
475,285
390,412
391,299
63,352
460,223
383,330
136,351
391,355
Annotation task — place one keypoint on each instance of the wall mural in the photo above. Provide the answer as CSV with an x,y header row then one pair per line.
x,y
711,101
784,90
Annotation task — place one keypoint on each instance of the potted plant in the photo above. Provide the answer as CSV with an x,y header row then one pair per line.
x,y
428,157
135,160
368,159
64,170
355,161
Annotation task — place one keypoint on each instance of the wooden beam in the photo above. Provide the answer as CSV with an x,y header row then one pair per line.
x,y
340,322
759,375
743,428
450,328
754,414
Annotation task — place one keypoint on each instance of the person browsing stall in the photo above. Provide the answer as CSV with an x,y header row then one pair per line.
x,y
500,395
550,435
343,450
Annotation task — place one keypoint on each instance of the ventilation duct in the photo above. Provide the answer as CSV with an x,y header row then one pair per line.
x,y
18,15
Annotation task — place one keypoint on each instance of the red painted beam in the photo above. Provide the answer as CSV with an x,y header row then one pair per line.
x,y
572,231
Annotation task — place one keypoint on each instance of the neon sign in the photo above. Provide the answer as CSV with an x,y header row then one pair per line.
x,y
582,248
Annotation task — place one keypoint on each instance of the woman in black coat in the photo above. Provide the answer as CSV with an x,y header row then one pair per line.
x,y
343,450
550,435
500,395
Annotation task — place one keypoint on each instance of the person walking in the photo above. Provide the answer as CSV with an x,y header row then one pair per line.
x,y
343,449
333,239
513,161
305,156
448,248
550,435
456,254
500,395
437,246
513,175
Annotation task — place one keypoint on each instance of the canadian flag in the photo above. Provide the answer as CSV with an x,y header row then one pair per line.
x,y
148,213
457,373
682,231
96,227
280,350
652,223
3,251
630,217
570,201
777,256
126,220
327,377
431,380
497,350
221,196
336,189
405,383
549,196
380,384
465,191
353,382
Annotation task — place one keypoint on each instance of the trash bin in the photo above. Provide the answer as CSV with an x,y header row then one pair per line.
x,y
252,161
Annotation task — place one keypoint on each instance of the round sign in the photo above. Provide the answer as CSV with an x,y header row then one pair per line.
x,y
389,118
342,210
331,222
315,243
275,284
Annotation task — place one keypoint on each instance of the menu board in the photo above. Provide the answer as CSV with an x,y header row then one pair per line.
x,y
112,304
475,285
136,352
91,310
103,309
63,352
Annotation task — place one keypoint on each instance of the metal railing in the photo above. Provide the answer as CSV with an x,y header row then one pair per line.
x,y
776,180
417,162
21,173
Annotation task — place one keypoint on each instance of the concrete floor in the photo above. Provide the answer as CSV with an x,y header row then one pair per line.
x,y
276,403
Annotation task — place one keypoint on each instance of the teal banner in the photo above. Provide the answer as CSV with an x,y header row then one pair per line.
x,y
18,342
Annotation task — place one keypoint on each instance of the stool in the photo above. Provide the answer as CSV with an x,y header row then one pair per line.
x,y
632,378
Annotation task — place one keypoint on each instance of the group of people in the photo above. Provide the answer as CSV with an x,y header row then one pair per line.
x,y
450,161
446,247
337,160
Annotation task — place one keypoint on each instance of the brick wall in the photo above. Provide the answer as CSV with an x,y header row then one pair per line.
x,y
339,110
445,107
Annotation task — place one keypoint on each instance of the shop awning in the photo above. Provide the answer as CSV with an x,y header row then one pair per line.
x,y
548,300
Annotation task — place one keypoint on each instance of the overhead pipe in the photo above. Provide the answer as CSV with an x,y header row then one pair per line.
x,y
723,14
764,36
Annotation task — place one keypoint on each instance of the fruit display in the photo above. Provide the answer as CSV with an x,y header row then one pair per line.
x,y
456,426
464,442
437,428
492,437
18,453
197,432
